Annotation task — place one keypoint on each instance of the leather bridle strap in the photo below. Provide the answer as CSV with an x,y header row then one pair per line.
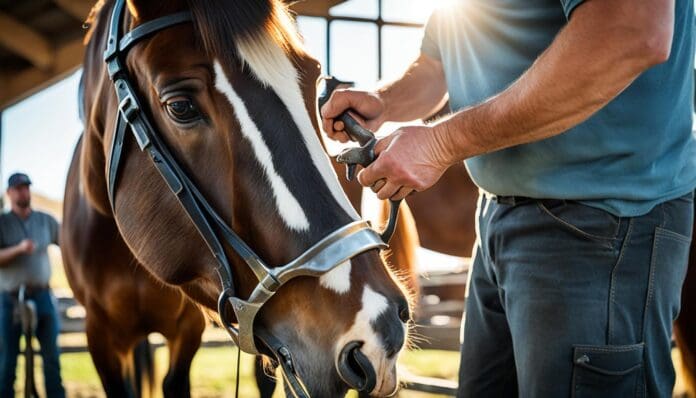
x,y
286,362
148,28
131,117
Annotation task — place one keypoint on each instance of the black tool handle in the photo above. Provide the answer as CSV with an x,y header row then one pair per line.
x,y
351,126
363,155
356,132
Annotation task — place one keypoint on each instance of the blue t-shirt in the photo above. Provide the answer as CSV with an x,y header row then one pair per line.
x,y
636,152
31,269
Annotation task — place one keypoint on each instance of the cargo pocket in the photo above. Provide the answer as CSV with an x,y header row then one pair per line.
x,y
608,371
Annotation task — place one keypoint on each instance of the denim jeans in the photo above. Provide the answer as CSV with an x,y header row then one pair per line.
x,y
567,300
46,332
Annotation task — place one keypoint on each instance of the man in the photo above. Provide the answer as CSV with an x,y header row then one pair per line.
x,y
574,118
24,237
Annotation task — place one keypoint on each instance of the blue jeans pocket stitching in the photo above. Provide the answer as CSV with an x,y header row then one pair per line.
x,y
611,371
575,229
666,233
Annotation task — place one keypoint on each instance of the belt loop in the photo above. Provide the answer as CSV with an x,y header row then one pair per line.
x,y
507,200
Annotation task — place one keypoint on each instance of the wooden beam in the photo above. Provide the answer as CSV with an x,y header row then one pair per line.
x,y
61,61
430,385
25,41
79,9
314,8
23,84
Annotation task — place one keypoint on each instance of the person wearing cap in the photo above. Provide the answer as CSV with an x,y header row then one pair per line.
x,y
574,117
25,235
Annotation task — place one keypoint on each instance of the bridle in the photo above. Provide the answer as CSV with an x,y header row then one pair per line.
x,y
334,249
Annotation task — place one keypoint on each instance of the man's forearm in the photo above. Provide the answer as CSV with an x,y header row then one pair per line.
x,y
588,64
8,254
419,93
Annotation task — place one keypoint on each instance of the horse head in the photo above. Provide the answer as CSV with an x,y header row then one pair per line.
x,y
228,94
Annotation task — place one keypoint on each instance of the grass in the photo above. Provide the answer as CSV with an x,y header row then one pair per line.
x,y
212,373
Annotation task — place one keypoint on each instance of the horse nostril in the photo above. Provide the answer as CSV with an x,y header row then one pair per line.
x,y
404,312
355,369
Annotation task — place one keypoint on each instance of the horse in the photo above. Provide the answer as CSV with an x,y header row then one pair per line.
x,y
224,192
444,214
123,302
685,325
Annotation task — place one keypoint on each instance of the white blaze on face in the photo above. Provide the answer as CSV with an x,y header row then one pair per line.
x,y
288,207
272,67
338,279
373,305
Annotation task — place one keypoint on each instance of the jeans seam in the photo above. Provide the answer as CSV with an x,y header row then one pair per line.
x,y
487,252
664,216
651,278
612,285
614,348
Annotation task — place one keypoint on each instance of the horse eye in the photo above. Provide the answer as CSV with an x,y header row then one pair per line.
x,y
182,110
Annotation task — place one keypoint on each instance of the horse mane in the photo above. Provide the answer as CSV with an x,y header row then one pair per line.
x,y
258,34
218,20
242,29
221,23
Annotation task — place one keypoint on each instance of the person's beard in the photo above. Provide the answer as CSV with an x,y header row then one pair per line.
x,y
23,203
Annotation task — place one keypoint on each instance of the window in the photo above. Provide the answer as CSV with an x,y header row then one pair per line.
x,y
367,40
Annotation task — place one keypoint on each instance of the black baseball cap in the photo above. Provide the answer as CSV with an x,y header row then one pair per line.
x,y
18,179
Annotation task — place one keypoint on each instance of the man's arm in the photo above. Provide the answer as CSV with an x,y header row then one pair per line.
x,y
604,47
10,253
417,94
55,231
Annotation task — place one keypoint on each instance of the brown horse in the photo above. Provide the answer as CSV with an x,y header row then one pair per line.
x,y
232,95
444,214
685,326
123,302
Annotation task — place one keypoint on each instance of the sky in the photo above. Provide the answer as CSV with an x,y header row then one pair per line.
x,y
40,132
39,135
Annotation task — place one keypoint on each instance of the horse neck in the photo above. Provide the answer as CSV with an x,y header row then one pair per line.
x,y
99,108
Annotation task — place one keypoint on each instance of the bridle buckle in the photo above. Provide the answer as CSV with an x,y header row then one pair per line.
x,y
129,109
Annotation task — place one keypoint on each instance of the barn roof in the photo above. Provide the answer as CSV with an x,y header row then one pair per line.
x,y
41,41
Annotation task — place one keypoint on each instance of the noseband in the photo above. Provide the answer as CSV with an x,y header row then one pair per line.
x,y
336,248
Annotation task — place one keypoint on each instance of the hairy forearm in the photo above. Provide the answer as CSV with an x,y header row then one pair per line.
x,y
588,64
418,93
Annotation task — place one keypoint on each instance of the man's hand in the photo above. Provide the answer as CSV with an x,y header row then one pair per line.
x,y
26,246
369,106
411,159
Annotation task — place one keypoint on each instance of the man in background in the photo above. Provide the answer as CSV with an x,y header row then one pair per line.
x,y
24,238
